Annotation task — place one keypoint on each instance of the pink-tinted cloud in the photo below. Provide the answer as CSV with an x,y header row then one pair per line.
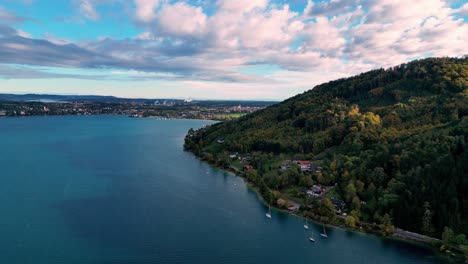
x,y
183,42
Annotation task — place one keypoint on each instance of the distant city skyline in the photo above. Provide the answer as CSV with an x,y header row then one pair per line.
x,y
215,49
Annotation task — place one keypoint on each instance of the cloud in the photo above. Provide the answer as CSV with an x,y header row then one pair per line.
x,y
16,49
184,42
396,31
242,6
145,9
15,72
330,8
463,10
88,10
182,19
8,18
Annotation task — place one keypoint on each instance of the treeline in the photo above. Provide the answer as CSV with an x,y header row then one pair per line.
x,y
394,141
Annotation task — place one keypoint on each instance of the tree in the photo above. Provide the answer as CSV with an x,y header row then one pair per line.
x,y
350,191
388,227
447,236
356,204
427,227
252,175
350,222
327,209
306,181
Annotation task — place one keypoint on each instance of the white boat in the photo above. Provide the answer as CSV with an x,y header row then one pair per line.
x,y
269,212
306,225
324,233
311,238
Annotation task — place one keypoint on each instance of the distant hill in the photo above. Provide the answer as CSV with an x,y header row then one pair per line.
x,y
68,98
113,99
76,98
394,140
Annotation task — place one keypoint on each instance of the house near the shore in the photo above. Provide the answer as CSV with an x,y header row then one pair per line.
x,y
248,167
286,165
316,191
305,165
243,159
315,169
339,205
293,207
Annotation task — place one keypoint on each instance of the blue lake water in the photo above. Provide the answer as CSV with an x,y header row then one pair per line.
x,y
112,189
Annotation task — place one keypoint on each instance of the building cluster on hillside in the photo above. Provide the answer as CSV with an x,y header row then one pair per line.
x,y
304,165
242,109
317,191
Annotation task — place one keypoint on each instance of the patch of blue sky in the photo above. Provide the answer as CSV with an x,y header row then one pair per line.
x,y
75,71
296,44
114,74
208,6
456,4
62,19
344,59
355,23
297,6
310,20
461,16
425,55
81,73
260,69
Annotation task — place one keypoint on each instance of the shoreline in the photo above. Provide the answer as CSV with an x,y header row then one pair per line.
x,y
119,115
429,243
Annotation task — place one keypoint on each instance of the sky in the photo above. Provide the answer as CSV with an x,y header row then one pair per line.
x,y
215,49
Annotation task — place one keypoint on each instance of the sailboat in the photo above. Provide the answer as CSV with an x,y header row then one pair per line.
x,y
324,233
306,225
311,238
269,212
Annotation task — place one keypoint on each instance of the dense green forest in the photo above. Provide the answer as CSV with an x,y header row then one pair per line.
x,y
394,141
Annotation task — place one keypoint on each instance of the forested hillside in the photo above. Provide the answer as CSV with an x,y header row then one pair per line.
x,y
393,141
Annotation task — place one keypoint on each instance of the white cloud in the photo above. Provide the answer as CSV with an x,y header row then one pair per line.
x,y
396,31
145,9
87,9
242,6
23,34
463,10
182,19
184,43
324,36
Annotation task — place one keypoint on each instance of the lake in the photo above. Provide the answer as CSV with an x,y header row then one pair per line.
x,y
112,189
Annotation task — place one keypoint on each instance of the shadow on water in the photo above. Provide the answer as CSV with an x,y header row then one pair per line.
x,y
108,222
126,215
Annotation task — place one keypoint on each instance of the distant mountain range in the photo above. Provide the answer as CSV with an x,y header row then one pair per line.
x,y
113,99
74,98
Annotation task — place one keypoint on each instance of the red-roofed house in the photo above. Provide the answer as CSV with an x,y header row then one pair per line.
x,y
248,167
304,165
